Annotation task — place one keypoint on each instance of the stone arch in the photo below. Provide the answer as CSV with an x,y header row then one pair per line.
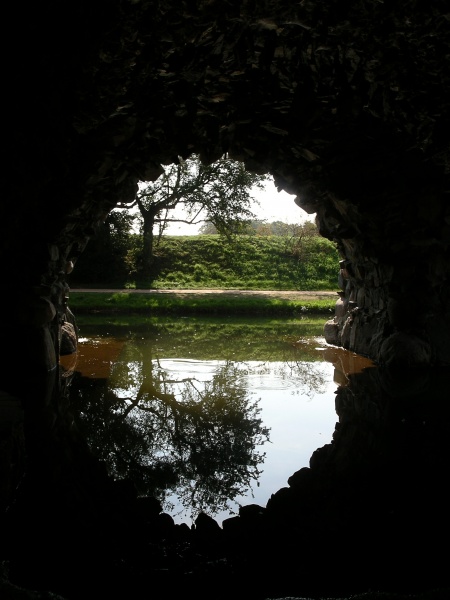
x,y
346,105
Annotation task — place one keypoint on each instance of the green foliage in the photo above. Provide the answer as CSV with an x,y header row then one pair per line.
x,y
218,193
300,259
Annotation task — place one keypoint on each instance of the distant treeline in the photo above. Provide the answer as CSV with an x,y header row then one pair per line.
x,y
300,259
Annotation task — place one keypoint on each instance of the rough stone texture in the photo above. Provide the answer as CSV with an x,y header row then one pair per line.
x,y
344,103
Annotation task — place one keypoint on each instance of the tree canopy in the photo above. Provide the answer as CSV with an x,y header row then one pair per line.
x,y
219,193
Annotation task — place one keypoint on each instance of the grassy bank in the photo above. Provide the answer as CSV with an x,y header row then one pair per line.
x,y
196,304
249,262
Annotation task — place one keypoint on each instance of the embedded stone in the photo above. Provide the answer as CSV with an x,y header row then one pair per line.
x,y
69,339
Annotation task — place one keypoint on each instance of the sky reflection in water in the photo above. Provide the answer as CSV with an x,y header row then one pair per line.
x,y
260,375
300,419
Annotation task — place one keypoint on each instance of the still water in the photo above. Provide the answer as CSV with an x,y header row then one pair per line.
x,y
206,414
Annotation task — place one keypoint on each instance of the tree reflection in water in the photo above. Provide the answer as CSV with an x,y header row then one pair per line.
x,y
189,437
196,440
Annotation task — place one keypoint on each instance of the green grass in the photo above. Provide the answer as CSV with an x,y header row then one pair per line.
x,y
208,261
208,304
250,262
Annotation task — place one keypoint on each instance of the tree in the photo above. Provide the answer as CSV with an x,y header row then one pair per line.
x,y
219,193
294,231
245,227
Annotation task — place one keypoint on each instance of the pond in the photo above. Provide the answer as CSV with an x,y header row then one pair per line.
x,y
206,414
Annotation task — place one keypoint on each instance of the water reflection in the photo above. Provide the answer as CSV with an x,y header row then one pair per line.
x,y
173,436
370,512
184,409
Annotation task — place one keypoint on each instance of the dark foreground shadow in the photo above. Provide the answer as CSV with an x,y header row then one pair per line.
x,y
369,515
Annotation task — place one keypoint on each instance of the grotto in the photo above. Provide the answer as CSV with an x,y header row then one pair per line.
x,y
346,105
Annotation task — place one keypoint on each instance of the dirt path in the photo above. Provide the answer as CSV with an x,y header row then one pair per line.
x,y
287,295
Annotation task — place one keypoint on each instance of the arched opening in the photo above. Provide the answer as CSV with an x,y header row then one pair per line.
x,y
347,108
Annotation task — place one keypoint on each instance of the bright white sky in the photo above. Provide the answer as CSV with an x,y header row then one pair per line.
x,y
273,206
